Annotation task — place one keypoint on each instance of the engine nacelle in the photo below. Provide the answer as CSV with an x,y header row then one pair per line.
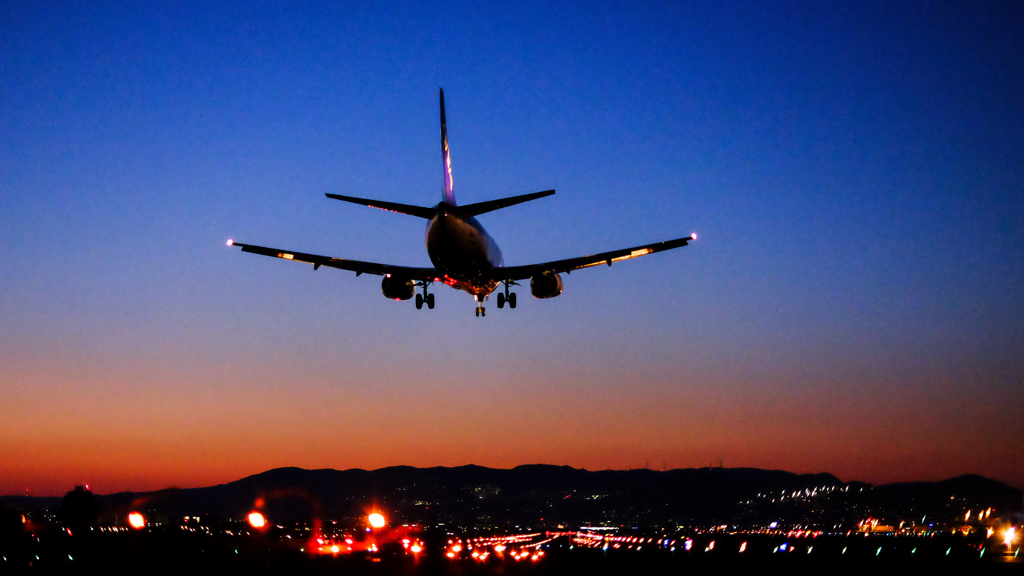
x,y
547,284
397,288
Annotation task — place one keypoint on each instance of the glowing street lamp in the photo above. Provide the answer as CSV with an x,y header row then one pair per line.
x,y
376,520
1009,535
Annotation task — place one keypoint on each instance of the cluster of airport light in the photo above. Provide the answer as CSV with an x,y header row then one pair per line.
x,y
521,547
609,542
517,547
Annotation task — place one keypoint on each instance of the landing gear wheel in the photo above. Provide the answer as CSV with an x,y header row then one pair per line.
x,y
501,300
482,311
419,301
477,312
430,301
511,300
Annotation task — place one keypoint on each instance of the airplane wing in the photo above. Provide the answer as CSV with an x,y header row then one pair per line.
x,y
570,264
356,266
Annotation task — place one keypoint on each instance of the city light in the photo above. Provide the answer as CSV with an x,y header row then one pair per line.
x,y
256,520
136,520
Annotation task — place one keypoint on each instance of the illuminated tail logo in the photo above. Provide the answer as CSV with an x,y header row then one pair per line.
x,y
448,193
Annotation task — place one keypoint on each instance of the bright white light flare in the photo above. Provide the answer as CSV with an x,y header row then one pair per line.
x,y
136,520
256,520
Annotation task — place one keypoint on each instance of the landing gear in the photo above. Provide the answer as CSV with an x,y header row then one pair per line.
x,y
509,297
480,306
427,298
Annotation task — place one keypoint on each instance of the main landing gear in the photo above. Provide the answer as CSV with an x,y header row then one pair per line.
x,y
509,297
421,298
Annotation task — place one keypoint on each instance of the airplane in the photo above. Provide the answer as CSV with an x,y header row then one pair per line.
x,y
464,255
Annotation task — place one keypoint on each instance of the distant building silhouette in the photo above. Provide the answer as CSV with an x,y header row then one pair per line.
x,y
78,509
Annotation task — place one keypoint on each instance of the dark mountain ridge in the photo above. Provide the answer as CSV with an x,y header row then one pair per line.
x,y
546,496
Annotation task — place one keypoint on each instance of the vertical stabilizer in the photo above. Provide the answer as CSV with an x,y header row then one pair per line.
x,y
448,193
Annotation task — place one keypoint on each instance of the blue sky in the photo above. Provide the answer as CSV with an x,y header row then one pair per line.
x,y
853,304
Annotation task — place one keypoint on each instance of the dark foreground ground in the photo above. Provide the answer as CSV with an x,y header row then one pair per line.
x,y
184,553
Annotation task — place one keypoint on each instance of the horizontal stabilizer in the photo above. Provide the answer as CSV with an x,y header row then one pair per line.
x,y
491,205
409,209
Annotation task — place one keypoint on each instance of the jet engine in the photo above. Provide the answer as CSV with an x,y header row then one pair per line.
x,y
547,284
397,288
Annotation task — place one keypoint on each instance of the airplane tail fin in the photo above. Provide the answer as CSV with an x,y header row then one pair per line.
x,y
448,195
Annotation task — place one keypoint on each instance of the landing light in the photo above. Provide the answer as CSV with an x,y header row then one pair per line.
x,y
231,242
693,235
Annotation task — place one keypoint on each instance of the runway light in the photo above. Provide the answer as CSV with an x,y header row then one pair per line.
x,y
256,520
136,520
376,520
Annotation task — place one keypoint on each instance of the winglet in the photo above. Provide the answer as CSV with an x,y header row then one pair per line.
x,y
448,193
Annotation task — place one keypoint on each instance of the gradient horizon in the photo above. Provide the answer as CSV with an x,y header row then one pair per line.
x,y
854,305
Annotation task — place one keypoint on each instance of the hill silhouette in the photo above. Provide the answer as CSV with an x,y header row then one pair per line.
x,y
546,496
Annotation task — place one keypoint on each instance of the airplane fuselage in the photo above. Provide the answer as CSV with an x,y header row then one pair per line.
x,y
460,248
